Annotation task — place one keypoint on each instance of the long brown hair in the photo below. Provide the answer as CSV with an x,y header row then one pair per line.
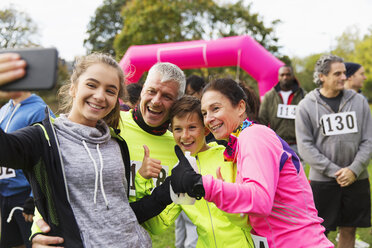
x,y
81,65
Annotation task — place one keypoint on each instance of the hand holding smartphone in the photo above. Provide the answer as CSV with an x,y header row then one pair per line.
x,y
41,69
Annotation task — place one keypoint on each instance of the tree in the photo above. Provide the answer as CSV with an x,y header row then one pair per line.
x,y
149,22
304,69
50,96
162,21
352,48
17,29
347,42
362,55
104,26
237,19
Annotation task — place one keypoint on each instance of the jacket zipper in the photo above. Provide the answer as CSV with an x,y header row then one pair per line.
x,y
60,157
209,211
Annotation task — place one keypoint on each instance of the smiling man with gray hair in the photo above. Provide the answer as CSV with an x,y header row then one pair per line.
x,y
334,135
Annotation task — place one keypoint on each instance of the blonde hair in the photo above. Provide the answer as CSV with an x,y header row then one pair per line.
x,y
81,65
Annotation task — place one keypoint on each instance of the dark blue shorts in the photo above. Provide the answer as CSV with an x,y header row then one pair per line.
x,y
347,207
18,231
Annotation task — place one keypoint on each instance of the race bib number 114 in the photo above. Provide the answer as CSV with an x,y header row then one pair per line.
x,y
339,123
286,111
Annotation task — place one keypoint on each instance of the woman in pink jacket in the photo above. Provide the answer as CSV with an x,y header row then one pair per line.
x,y
270,186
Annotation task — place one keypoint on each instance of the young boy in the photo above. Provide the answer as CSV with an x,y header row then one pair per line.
x,y
215,228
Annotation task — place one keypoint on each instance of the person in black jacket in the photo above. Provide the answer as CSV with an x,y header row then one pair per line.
x,y
80,189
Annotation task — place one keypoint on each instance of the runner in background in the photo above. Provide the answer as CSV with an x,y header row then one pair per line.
x,y
278,107
132,97
355,77
334,134
22,110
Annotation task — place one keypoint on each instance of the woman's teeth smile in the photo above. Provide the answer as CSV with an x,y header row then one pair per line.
x,y
214,128
95,106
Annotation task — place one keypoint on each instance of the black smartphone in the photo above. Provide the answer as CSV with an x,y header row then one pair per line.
x,y
41,69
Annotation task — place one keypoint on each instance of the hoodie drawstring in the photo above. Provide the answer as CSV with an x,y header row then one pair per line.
x,y
12,212
101,177
97,176
316,113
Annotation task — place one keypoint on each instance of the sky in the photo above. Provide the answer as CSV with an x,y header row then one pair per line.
x,y
307,26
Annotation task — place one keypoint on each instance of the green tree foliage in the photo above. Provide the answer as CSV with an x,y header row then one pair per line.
x,y
304,69
149,22
104,26
363,56
346,43
352,48
17,29
238,19
162,21
50,96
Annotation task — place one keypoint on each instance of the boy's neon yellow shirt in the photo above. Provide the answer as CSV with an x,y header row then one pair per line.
x,y
215,227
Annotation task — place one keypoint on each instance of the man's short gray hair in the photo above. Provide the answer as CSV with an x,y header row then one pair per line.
x,y
323,66
169,72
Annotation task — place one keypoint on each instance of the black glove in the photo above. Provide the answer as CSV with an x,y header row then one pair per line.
x,y
29,206
152,205
161,192
185,179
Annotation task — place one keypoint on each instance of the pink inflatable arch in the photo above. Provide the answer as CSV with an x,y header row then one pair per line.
x,y
242,51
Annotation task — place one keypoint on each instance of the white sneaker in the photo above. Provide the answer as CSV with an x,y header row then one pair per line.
x,y
360,243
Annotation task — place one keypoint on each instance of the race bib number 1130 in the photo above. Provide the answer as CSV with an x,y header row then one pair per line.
x,y
339,123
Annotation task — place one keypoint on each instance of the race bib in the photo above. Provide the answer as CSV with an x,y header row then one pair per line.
x,y
339,123
134,167
286,111
7,173
259,242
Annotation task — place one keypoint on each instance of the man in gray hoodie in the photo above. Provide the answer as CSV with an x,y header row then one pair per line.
x,y
334,136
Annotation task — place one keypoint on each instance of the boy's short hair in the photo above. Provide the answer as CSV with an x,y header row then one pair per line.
x,y
186,105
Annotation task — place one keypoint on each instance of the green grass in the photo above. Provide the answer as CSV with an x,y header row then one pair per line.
x,y
166,240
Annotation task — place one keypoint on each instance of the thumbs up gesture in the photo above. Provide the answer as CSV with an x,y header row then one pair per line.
x,y
150,167
185,179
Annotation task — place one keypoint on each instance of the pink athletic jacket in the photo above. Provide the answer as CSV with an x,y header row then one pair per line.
x,y
272,188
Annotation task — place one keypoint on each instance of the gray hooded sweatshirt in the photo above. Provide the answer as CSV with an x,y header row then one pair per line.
x,y
96,185
327,154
